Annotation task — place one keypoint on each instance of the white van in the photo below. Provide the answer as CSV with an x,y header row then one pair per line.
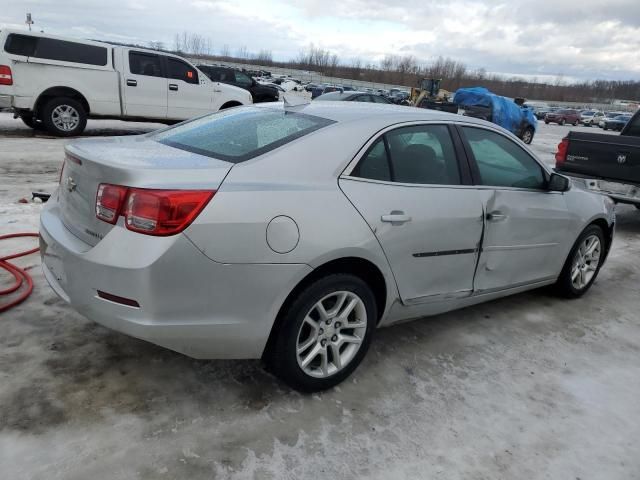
x,y
57,83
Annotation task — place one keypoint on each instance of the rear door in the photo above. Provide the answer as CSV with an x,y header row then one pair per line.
x,y
190,94
527,227
412,189
144,85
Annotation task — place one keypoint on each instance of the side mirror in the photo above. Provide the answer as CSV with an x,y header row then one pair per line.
x,y
558,183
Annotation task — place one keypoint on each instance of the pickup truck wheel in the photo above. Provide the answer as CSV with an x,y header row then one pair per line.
x,y
64,117
325,333
583,263
527,135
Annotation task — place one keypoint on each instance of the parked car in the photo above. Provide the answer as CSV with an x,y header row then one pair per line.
x,y
607,164
608,116
591,117
352,97
223,254
232,76
310,86
322,89
540,113
616,123
478,102
400,98
563,116
58,83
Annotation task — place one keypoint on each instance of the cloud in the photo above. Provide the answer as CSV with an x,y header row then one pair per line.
x,y
583,40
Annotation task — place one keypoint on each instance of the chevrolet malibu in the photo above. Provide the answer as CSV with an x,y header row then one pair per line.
x,y
291,233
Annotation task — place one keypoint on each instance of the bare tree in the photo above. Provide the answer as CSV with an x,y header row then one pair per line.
x,y
156,45
225,51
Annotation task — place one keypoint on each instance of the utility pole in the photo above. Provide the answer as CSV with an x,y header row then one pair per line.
x,y
29,21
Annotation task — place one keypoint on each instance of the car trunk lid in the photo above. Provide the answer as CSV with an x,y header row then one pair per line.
x,y
130,161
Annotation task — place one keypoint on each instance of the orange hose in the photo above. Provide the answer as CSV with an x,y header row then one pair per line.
x,y
19,274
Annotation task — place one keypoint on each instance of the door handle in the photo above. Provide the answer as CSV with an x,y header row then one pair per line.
x,y
396,217
496,216
131,82
173,86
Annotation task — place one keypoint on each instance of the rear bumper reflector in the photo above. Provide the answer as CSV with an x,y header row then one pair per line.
x,y
117,299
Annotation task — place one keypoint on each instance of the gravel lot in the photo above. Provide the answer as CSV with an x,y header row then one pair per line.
x,y
529,386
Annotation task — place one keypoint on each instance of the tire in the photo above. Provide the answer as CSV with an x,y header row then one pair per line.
x,y
561,122
64,117
32,122
527,135
605,128
296,332
575,124
546,123
565,284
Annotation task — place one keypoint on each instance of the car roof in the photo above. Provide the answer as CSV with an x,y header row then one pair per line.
x,y
384,114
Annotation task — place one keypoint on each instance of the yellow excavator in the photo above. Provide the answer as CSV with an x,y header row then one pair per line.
x,y
429,95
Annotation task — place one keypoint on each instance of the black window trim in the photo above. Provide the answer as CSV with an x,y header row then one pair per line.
x,y
461,159
475,171
39,38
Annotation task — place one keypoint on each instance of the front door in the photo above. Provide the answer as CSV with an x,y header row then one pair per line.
x,y
144,85
189,95
526,226
408,188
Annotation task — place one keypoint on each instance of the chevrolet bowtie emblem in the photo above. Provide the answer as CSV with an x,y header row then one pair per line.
x,y
71,184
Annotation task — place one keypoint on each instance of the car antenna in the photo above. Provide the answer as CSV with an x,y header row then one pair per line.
x,y
294,103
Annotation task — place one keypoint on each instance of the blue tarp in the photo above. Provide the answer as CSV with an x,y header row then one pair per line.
x,y
505,112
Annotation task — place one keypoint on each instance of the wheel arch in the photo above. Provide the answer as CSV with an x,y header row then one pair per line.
x,y
60,91
364,269
230,104
607,229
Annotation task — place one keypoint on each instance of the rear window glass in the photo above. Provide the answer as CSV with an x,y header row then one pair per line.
x,y
20,44
52,49
633,127
240,134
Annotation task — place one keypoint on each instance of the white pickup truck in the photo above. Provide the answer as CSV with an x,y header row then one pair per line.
x,y
57,83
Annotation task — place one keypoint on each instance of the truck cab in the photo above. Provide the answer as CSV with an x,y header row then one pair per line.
x,y
57,83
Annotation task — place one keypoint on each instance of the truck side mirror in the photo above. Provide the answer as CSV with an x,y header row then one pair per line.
x,y
558,183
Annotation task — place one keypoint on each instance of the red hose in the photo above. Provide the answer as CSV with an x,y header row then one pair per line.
x,y
19,274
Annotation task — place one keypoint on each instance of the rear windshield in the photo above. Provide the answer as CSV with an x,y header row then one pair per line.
x,y
53,49
240,134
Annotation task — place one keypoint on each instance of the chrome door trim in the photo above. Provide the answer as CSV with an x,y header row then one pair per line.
x,y
496,248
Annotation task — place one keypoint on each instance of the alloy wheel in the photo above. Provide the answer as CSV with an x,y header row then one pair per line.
x,y
585,262
65,118
331,334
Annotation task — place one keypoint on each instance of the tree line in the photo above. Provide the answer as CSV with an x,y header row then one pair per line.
x,y
406,70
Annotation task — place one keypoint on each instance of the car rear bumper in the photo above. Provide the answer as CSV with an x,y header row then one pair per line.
x,y
6,101
619,191
187,302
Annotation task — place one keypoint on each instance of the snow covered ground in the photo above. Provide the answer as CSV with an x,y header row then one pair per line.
x,y
525,387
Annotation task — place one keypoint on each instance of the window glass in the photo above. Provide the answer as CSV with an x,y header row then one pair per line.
x,y
145,64
239,134
243,80
362,98
375,164
501,162
423,154
180,70
378,99
17,44
52,49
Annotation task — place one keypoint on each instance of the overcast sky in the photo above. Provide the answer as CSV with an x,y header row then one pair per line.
x,y
578,39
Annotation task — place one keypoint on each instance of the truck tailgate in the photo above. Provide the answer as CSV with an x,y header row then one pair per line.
x,y
598,155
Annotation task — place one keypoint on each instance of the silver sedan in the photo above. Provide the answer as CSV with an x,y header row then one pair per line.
x,y
292,233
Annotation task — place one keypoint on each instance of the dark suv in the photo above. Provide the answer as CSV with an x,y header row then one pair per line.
x,y
259,93
563,116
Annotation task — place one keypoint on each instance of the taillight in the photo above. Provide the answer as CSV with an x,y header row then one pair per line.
x,y
149,211
109,202
6,78
561,154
